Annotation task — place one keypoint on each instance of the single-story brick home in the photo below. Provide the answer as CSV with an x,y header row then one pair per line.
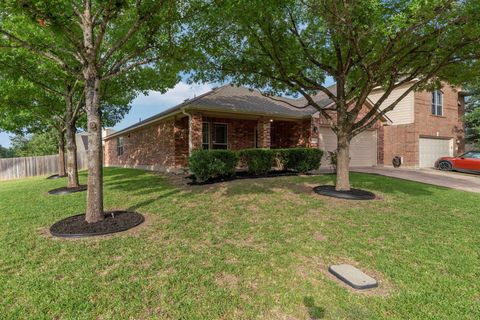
x,y
423,127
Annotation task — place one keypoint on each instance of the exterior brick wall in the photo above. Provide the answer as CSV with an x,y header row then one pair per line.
x,y
181,142
196,127
149,147
263,133
289,134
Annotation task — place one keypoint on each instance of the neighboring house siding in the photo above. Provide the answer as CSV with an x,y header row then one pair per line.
x,y
151,147
403,111
403,140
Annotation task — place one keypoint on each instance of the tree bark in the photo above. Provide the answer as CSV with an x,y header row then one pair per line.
x,y
343,162
72,167
94,212
61,153
95,157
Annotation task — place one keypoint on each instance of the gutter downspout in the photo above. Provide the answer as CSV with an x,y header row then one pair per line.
x,y
189,131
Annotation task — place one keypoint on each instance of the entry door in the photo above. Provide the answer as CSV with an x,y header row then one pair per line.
x,y
431,149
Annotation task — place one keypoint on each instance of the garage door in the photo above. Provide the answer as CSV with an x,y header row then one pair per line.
x,y
363,148
432,149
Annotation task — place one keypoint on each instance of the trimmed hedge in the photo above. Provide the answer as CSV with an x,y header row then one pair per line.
x,y
301,159
207,164
259,161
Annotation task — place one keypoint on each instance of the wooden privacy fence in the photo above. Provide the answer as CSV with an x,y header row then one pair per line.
x,y
16,168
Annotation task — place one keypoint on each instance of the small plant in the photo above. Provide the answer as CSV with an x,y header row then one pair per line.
x,y
258,161
209,164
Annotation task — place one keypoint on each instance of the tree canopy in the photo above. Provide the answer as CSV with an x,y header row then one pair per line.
x,y
289,46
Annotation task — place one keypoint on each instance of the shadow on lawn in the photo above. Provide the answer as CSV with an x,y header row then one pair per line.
x,y
374,183
315,312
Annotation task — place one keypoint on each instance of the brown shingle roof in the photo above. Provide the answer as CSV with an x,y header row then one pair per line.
x,y
235,99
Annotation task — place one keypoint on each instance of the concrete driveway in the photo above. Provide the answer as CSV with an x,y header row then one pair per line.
x,y
454,180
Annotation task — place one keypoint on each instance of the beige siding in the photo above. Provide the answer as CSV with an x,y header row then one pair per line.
x,y
403,112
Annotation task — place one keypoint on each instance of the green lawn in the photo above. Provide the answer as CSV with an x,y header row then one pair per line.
x,y
250,249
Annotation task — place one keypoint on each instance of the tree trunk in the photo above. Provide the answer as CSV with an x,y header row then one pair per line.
x,y
61,154
343,162
72,167
95,157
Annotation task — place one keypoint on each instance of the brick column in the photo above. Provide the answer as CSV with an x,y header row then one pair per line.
x,y
195,131
263,133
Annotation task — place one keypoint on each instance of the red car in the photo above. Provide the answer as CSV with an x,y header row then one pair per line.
x,y
467,162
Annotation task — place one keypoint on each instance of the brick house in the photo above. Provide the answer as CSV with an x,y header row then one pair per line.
x,y
237,118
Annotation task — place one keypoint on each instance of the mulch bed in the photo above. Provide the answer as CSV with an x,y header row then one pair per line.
x,y
65,190
242,175
115,221
353,194
56,176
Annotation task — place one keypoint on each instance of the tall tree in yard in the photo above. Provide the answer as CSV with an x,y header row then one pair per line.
x,y
26,110
40,90
100,41
291,46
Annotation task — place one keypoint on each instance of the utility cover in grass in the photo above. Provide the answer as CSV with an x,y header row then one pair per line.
x,y
114,221
352,194
352,276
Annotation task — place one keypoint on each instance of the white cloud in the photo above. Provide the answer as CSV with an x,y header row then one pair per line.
x,y
174,96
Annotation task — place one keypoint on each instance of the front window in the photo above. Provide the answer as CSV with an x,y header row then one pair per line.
x,y
220,136
471,155
119,146
437,103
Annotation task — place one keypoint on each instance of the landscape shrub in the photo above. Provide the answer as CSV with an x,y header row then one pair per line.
x,y
208,164
300,159
258,161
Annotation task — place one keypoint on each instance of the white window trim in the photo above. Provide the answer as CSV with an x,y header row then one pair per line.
x,y
120,147
436,106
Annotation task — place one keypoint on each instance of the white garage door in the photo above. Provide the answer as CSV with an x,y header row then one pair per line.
x,y
363,148
432,149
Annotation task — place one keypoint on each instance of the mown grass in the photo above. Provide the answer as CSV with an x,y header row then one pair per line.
x,y
250,249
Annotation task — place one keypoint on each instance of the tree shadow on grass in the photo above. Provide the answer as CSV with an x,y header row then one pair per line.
x,y
315,312
374,183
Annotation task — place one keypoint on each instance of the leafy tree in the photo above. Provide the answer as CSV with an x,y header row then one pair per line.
x,y
472,116
6,152
97,41
26,110
38,144
290,46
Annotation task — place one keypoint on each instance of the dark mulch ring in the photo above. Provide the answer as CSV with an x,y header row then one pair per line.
x,y
353,194
242,175
65,190
115,221
56,176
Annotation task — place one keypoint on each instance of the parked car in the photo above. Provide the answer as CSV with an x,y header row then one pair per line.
x,y
467,162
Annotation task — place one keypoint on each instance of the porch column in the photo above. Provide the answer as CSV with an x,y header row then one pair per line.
x,y
195,132
263,133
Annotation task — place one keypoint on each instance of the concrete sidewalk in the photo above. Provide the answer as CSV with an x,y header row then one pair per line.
x,y
454,180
